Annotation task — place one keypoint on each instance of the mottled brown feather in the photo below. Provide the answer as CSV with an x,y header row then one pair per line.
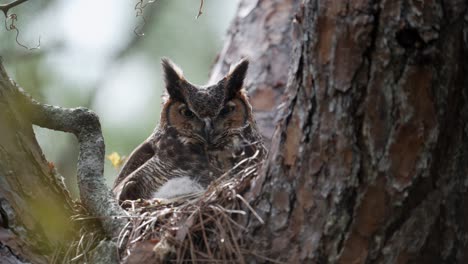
x,y
203,133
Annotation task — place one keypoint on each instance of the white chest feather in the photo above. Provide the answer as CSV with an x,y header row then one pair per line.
x,y
177,187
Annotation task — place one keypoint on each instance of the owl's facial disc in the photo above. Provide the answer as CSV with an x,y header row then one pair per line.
x,y
208,115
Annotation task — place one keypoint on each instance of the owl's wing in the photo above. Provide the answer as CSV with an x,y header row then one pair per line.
x,y
140,183
137,158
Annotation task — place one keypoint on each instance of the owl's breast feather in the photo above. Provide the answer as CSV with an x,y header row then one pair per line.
x,y
176,187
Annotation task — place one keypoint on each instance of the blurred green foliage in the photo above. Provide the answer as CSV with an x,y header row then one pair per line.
x,y
90,56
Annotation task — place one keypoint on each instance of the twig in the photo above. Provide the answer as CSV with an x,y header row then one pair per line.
x,y
205,239
192,250
6,7
11,26
200,11
251,209
140,8
234,238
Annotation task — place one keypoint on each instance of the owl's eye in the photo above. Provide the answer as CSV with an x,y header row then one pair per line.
x,y
187,113
227,109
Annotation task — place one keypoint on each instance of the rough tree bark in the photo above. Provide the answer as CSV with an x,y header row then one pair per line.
x,y
369,161
35,206
261,31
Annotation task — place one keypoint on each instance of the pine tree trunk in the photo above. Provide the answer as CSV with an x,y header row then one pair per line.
x,y
261,31
369,163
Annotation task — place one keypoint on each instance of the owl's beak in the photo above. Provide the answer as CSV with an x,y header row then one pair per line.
x,y
208,129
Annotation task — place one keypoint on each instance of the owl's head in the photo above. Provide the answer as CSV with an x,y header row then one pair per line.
x,y
208,114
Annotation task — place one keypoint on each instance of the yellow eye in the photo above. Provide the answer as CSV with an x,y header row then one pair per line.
x,y
187,113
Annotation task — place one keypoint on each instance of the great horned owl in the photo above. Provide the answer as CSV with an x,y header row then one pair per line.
x,y
203,132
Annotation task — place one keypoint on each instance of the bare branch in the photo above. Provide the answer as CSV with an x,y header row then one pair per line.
x,y
6,7
140,8
85,125
200,11
13,18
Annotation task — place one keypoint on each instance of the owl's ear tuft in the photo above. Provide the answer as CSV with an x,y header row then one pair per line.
x,y
174,78
235,78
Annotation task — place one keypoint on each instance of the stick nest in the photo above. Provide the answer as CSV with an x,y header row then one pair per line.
x,y
203,227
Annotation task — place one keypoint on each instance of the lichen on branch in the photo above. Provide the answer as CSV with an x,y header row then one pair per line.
x,y
85,125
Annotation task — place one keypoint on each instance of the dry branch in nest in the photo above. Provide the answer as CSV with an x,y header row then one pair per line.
x,y
203,227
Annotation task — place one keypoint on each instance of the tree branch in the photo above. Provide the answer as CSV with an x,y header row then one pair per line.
x,y
6,7
85,125
200,10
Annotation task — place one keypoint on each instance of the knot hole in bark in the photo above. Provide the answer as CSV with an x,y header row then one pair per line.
x,y
409,38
